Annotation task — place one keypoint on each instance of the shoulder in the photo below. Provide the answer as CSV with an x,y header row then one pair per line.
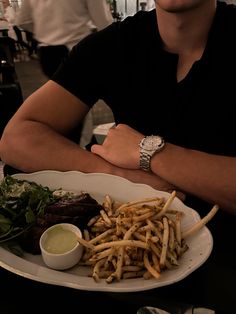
x,y
120,35
231,17
224,28
227,12
139,21
131,25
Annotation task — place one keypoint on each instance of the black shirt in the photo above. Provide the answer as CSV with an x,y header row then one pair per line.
x,y
126,66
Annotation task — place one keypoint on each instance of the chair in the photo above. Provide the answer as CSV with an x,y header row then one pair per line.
x,y
20,43
10,90
7,49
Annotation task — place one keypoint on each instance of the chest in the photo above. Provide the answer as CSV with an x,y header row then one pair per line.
x,y
195,113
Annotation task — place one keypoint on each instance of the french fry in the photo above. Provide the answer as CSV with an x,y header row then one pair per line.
x,y
147,264
201,222
165,242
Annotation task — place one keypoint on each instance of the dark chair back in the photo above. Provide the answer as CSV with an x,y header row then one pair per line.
x,y
7,49
10,100
10,90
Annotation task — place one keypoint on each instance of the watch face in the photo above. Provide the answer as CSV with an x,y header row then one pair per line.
x,y
151,143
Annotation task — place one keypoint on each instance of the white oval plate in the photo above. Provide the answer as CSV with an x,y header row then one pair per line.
x,y
98,185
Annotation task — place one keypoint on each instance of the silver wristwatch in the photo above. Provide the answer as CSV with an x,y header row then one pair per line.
x,y
149,145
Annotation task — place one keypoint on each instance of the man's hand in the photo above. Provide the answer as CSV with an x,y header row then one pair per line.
x,y
120,147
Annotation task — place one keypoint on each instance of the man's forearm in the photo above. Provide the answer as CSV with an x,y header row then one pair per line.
x,y
210,177
35,147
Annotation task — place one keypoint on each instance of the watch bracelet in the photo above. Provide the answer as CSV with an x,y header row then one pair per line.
x,y
144,161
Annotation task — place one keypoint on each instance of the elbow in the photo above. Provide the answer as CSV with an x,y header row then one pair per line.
x,y
5,147
229,206
226,197
226,200
9,147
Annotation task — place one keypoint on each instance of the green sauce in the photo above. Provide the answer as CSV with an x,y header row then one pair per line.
x,y
60,240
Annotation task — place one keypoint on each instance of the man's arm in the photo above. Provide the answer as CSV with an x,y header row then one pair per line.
x,y
35,138
207,176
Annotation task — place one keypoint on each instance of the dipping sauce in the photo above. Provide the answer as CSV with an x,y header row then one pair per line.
x,y
60,240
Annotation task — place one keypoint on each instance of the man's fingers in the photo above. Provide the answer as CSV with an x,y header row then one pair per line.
x,y
96,149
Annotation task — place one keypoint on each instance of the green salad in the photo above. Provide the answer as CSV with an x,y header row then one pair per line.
x,y
21,202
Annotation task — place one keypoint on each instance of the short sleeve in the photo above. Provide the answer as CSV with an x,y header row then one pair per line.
x,y
86,71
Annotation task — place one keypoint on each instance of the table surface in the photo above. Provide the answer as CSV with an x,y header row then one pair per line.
x,y
212,286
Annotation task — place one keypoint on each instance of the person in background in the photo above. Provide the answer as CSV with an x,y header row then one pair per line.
x,y
58,25
174,78
16,33
150,5
8,19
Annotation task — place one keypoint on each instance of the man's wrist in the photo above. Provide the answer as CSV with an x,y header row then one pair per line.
x,y
149,146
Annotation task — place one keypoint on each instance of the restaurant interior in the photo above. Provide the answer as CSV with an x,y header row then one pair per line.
x,y
20,76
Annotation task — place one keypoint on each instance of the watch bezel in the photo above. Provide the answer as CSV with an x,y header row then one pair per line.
x,y
152,143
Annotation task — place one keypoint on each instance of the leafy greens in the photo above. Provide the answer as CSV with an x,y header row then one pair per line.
x,y
21,202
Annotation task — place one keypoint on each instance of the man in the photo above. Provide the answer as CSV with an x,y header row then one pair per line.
x,y
162,72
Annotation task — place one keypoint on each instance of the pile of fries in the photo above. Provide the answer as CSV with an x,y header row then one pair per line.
x,y
136,239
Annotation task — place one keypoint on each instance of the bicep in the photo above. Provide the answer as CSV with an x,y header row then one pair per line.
x,y
54,106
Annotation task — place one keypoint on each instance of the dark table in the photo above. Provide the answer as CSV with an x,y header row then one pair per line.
x,y
213,285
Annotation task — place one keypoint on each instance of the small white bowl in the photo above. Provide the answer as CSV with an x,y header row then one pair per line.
x,y
59,246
